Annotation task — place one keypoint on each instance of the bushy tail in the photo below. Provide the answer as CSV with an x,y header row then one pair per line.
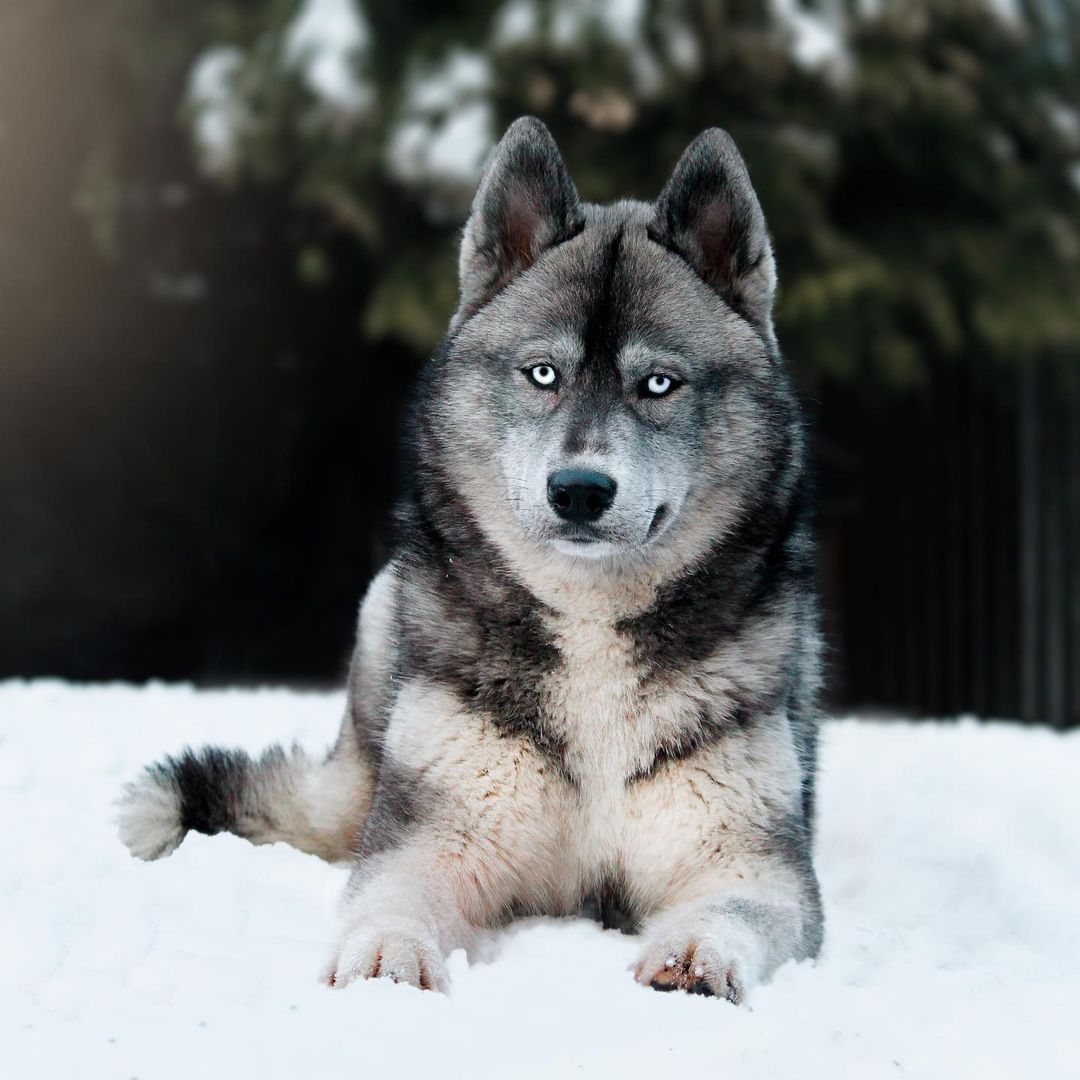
x,y
315,806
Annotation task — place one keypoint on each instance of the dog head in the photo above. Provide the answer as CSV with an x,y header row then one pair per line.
x,y
610,394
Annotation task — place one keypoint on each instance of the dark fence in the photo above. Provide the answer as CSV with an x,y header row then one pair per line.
x,y
951,542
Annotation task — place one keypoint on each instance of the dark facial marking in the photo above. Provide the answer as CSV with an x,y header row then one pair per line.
x,y
491,647
768,553
604,325
597,387
587,412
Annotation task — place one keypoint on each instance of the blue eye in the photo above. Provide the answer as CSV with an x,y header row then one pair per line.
x,y
544,375
657,385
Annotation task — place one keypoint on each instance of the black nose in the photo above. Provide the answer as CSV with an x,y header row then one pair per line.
x,y
579,495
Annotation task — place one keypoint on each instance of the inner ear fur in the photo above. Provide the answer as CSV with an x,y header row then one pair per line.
x,y
525,204
709,214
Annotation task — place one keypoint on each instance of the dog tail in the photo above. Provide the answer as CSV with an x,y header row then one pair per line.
x,y
316,806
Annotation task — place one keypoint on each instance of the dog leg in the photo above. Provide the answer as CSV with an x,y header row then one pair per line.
x,y
733,937
400,916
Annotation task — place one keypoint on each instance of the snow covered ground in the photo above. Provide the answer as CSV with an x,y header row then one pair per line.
x,y
949,857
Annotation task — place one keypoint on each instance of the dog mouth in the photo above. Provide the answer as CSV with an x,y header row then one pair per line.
x,y
578,538
589,547
583,541
658,519
589,542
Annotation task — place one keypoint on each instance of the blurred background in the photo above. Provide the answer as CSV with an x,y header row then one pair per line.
x,y
228,240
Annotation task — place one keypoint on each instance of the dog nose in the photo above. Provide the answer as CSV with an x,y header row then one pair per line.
x,y
580,495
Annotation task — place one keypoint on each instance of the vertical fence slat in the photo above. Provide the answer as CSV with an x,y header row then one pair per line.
x,y
1030,533
1055,588
960,563
1071,542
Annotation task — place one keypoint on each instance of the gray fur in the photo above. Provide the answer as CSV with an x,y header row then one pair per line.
x,y
547,715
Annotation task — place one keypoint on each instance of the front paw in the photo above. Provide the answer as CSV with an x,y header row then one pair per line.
x,y
700,954
403,953
697,967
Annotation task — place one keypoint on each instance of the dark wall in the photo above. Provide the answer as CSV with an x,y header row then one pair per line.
x,y
195,483
194,474
199,432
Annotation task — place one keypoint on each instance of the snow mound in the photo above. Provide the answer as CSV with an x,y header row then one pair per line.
x,y
948,856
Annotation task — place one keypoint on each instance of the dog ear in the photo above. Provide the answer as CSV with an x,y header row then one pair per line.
x,y
526,203
708,213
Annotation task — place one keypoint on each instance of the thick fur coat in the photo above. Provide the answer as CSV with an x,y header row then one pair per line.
x,y
587,679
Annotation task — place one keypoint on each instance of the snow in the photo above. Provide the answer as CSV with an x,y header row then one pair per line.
x,y
446,128
617,21
325,40
1008,11
949,856
458,149
325,43
515,23
218,116
1064,118
816,37
518,22
681,45
449,151
461,74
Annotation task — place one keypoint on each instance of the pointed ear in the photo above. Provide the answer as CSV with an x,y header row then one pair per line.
x,y
525,204
708,213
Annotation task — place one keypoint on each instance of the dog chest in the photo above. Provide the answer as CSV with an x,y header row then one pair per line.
x,y
596,703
